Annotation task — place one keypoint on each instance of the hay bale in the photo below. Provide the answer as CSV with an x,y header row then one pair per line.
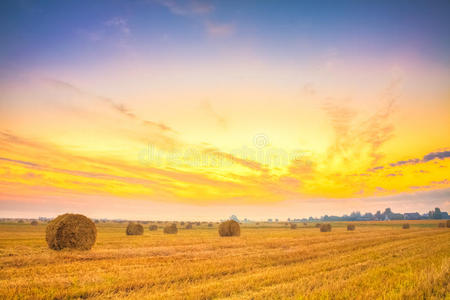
x,y
188,226
20,221
448,223
182,223
135,229
350,227
171,229
318,225
405,226
153,227
305,224
293,226
325,228
198,223
257,223
229,228
71,231
34,222
441,225
210,224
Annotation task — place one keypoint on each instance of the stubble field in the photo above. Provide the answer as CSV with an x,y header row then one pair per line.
x,y
379,260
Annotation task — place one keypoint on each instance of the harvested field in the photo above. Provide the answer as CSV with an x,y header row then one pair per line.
x,y
378,260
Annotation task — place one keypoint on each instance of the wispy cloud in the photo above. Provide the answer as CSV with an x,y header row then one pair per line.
x,y
413,161
199,11
26,163
187,7
436,155
208,109
219,30
120,23
120,108
256,166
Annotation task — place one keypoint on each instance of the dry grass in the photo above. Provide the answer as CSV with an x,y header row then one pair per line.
x,y
378,261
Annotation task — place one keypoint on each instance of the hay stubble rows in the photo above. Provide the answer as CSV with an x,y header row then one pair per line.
x,y
267,261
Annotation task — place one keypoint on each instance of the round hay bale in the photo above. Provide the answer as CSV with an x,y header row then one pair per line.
x,y
448,223
210,224
182,223
188,226
305,224
257,223
34,222
325,228
20,221
293,226
441,225
350,227
153,227
171,229
198,224
318,225
135,229
71,231
405,226
229,228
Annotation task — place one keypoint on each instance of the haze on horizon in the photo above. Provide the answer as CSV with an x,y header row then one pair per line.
x,y
166,109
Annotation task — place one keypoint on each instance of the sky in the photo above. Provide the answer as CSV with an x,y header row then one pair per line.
x,y
178,110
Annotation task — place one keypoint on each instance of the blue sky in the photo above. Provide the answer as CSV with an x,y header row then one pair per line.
x,y
42,32
359,86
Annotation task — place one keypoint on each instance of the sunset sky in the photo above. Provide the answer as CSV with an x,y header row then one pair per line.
x,y
165,109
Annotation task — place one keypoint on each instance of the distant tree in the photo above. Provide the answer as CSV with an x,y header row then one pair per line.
x,y
355,214
378,215
234,218
368,215
436,214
